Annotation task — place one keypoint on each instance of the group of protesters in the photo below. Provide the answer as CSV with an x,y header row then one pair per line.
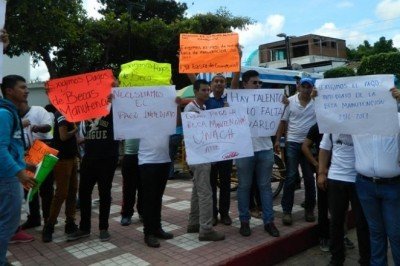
x,y
361,169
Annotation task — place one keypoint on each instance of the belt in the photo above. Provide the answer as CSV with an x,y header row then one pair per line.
x,y
380,180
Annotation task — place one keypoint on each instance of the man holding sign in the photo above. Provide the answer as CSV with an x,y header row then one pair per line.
x,y
299,117
260,164
219,170
201,208
98,166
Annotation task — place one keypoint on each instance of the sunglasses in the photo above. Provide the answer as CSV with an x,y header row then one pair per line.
x,y
257,82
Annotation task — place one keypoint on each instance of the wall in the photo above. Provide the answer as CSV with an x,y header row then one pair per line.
x,y
37,94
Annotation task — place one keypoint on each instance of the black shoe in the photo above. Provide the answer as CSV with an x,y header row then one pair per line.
x,y
226,220
271,229
163,235
47,233
245,229
125,220
77,235
211,236
30,223
70,228
214,221
104,235
152,241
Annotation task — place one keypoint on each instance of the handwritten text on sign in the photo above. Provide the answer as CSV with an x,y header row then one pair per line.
x,y
356,105
216,135
144,111
264,108
145,73
209,53
83,96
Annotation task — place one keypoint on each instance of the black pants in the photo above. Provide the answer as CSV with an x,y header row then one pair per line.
x,y
323,220
46,194
100,171
154,179
130,184
339,195
221,170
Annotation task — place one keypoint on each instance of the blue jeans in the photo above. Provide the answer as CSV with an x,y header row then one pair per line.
x,y
294,157
10,212
381,206
261,163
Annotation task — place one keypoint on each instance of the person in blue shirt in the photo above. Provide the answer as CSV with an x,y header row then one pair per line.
x,y
12,168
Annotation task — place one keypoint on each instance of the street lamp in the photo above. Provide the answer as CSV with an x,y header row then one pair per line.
x,y
287,44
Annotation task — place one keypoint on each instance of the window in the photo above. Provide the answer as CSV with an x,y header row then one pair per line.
x,y
279,54
333,44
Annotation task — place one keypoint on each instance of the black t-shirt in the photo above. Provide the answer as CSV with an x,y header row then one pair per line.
x,y
99,138
67,149
315,137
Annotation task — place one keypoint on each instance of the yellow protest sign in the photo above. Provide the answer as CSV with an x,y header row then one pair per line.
x,y
145,73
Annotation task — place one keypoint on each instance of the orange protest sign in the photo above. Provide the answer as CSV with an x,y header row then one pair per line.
x,y
37,152
209,53
81,97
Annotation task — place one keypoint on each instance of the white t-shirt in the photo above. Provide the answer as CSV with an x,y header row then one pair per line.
x,y
300,119
37,115
343,159
261,143
154,150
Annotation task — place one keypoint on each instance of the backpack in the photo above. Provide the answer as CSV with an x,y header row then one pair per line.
x,y
16,121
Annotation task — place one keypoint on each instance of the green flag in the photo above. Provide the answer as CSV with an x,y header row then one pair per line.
x,y
42,171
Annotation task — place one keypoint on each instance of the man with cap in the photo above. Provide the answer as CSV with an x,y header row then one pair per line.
x,y
299,116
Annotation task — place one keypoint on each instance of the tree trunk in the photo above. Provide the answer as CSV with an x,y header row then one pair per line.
x,y
49,63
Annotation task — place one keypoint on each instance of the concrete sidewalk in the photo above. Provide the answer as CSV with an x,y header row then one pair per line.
x,y
126,246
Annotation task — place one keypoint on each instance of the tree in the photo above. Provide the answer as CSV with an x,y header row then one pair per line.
x,y
365,49
41,27
141,10
384,63
60,33
339,72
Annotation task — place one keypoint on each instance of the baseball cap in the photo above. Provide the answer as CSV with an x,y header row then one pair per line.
x,y
308,81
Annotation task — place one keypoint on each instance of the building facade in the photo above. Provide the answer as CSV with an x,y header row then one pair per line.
x,y
311,53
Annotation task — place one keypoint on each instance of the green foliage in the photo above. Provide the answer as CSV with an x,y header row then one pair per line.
x,y
339,72
365,49
384,63
42,26
60,33
144,10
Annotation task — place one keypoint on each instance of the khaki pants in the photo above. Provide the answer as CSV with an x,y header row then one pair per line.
x,y
201,208
65,178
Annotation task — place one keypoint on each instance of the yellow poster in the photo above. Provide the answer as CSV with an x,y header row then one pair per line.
x,y
145,73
